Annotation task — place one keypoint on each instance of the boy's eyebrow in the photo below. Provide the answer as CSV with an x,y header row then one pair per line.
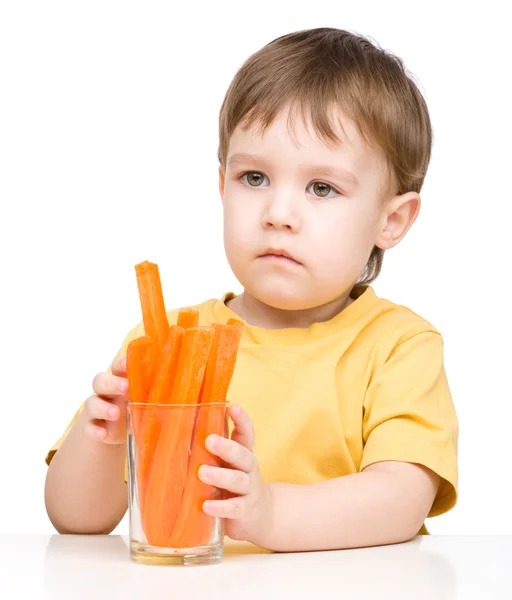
x,y
242,157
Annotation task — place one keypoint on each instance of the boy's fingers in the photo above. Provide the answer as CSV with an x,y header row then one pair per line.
x,y
105,384
95,431
234,508
232,453
97,408
119,366
236,482
243,433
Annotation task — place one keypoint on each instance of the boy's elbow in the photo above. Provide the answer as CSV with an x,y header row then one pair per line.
x,y
402,528
70,525
72,519
414,489
410,530
412,520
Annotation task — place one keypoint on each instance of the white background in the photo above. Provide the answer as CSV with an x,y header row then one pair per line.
x,y
108,142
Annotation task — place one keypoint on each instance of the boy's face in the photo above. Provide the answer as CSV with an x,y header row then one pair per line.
x,y
275,202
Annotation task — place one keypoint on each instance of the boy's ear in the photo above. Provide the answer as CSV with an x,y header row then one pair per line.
x,y
221,182
398,217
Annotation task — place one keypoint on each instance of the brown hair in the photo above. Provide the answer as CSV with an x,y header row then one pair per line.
x,y
325,68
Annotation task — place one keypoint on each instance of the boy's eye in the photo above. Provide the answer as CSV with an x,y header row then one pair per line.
x,y
254,178
321,190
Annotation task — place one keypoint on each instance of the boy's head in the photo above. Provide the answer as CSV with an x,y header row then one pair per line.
x,y
333,189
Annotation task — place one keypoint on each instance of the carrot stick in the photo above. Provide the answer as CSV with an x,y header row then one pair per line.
x,y
135,354
140,366
156,324
236,323
197,343
141,357
193,526
188,317
159,393
221,363
169,469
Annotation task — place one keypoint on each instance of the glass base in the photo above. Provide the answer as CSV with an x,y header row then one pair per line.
x,y
151,555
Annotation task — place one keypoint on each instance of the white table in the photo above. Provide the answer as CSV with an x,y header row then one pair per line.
x,y
96,567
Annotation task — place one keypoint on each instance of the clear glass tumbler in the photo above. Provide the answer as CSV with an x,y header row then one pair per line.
x,y
166,447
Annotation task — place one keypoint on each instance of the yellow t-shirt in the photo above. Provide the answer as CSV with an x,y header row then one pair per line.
x,y
366,386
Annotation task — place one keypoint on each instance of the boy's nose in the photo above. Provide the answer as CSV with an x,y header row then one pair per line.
x,y
281,213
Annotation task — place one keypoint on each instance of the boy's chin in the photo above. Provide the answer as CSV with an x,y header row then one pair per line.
x,y
284,297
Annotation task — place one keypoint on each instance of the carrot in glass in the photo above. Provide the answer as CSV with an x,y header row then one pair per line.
x,y
169,469
236,323
141,358
156,326
193,526
159,393
138,368
154,316
188,317
221,362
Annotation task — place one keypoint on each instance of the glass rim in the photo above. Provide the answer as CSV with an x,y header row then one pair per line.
x,y
167,405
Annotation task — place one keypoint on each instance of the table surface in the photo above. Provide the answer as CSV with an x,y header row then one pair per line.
x,y
429,567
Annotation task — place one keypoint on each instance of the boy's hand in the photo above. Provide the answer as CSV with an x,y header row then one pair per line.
x,y
106,410
248,508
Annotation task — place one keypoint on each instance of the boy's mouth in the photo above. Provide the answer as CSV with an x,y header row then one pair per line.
x,y
279,255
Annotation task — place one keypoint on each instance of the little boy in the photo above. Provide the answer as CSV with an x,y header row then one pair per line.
x,y
324,146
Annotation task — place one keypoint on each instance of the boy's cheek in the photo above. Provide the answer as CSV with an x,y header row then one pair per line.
x,y
238,239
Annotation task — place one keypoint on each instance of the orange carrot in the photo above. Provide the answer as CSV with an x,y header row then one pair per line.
x,y
193,526
160,393
169,469
188,317
196,348
221,362
156,324
141,358
135,355
210,369
140,366
236,323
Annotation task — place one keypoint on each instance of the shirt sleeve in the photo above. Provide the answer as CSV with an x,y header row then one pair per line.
x,y
134,333
409,414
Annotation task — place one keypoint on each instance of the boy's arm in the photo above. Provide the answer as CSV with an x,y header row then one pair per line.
x,y
85,490
384,504
409,424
